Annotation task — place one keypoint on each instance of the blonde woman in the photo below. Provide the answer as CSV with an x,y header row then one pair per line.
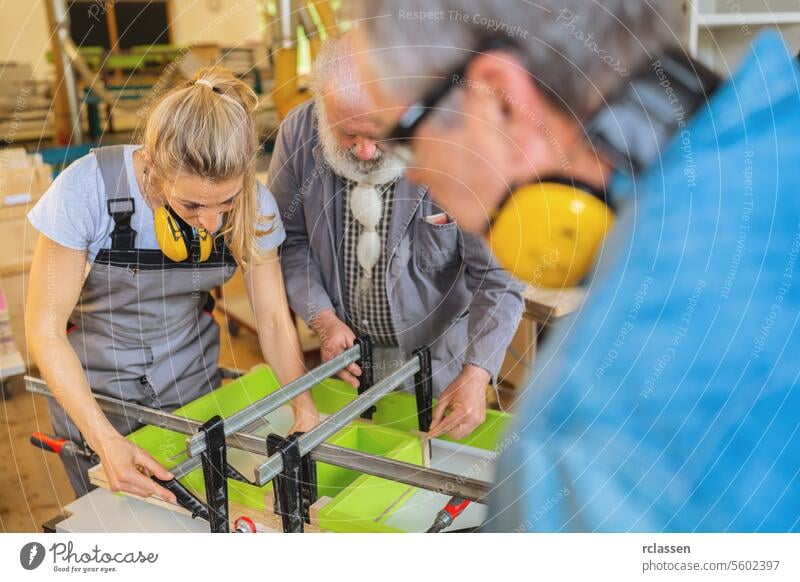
x,y
158,225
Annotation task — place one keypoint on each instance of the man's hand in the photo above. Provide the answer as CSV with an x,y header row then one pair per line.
x,y
335,337
128,468
462,406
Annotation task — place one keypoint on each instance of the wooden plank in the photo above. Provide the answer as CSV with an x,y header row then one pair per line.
x,y
316,507
12,326
545,305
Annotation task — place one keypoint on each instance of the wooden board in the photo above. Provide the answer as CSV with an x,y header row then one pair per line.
x,y
11,361
545,305
14,287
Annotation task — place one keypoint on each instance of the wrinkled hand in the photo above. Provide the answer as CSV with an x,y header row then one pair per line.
x,y
335,337
128,468
462,405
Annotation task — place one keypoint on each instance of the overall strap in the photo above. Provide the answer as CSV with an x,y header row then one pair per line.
x,y
120,204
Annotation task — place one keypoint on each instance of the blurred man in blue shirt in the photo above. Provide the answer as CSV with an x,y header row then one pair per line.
x,y
669,401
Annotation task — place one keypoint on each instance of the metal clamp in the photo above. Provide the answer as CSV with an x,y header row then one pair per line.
x,y
423,387
338,420
367,378
308,473
236,422
413,475
214,460
185,498
287,484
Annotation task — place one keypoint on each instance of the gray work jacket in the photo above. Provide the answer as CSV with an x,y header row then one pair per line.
x,y
445,289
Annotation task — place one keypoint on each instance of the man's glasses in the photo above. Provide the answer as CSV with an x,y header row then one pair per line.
x,y
398,139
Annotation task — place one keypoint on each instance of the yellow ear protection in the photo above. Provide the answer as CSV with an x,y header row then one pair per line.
x,y
178,240
548,233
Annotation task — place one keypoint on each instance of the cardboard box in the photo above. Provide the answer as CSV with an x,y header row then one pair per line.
x,y
23,185
23,180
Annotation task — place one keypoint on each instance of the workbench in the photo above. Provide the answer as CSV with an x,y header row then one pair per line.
x,y
104,511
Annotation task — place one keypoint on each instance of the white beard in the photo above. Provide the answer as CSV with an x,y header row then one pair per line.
x,y
366,205
381,169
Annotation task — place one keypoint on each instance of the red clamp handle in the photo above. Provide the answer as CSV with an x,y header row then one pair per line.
x,y
456,506
244,524
47,443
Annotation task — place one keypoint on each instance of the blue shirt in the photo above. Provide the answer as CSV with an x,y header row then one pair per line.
x,y
670,401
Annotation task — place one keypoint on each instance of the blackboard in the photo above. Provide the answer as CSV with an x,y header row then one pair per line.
x,y
142,23
88,25
138,23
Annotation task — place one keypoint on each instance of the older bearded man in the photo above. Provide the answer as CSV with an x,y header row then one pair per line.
x,y
369,253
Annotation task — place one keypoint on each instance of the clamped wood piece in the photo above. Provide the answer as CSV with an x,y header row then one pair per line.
x,y
214,459
423,387
287,485
367,378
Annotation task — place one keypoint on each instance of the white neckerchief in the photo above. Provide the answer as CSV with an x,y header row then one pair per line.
x,y
366,206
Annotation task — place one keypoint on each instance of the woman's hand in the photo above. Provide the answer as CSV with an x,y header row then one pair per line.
x,y
128,468
305,418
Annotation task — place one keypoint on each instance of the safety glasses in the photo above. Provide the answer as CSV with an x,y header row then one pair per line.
x,y
399,138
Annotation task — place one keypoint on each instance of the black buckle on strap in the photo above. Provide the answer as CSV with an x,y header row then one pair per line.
x,y
123,236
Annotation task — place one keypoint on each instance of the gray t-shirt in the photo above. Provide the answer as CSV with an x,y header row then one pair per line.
x,y
74,214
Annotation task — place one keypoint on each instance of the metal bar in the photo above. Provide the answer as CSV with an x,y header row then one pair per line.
x,y
341,418
414,475
236,422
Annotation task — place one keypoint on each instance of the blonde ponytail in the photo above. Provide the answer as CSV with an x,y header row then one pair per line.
x,y
205,128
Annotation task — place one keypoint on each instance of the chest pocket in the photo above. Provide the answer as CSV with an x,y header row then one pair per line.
x,y
436,246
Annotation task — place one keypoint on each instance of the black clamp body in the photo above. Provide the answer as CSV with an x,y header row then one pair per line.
x,y
215,471
423,387
295,487
367,379
185,498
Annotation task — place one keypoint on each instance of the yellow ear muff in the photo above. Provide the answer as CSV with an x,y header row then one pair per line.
x,y
169,235
206,244
548,233
172,233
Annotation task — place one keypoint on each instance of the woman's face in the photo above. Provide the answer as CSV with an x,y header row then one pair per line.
x,y
199,201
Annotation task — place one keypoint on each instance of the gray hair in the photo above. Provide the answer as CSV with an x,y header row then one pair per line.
x,y
578,51
334,71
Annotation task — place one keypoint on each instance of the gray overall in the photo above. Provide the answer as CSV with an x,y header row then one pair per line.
x,y
142,327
